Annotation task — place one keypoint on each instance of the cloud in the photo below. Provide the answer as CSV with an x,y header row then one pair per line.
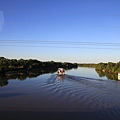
x,y
1,20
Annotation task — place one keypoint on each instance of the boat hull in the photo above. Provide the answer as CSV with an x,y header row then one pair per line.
x,y
61,71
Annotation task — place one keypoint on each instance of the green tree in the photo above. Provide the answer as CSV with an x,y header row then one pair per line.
x,y
109,66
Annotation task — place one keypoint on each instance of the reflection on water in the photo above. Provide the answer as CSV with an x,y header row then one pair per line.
x,y
109,76
22,75
71,95
3,82
61,77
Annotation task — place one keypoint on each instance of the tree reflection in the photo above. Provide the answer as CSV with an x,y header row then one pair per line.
x,y
109,76
22,75
3,83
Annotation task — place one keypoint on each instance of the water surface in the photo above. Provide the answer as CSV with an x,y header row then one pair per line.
x,y
80,94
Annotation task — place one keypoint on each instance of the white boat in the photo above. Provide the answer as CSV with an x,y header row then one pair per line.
x,y
61,71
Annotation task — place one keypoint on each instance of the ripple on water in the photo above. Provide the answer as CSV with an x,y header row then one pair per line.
x,y
70,93
82,93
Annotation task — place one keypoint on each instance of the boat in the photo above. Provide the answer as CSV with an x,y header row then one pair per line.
x,y
61,71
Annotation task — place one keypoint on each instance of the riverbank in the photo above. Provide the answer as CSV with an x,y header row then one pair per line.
x,y
12,65
113,68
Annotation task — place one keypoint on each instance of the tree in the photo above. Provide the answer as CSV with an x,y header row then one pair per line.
x,y
109,66
101,66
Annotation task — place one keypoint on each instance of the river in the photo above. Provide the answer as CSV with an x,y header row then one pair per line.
x,y
81,94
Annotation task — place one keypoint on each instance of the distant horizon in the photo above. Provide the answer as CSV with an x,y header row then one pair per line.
x,y
57,61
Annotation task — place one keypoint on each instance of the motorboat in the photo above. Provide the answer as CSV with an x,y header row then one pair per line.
x,y
61,71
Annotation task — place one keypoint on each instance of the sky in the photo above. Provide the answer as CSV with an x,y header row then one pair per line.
x,y
82,31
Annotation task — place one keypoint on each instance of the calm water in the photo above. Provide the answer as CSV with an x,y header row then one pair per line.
x,y
80,94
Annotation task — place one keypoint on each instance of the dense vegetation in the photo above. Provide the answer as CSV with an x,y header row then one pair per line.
x,y
108,75
8,65
109,67
106,67
21,64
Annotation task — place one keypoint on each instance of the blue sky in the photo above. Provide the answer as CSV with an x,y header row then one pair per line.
x,y
82,31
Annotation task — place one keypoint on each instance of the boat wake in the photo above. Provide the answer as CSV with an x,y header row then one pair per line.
x,y
84,94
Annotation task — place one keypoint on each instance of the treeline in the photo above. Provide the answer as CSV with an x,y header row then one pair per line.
x,y
109,67
87,65
105,67
22,64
